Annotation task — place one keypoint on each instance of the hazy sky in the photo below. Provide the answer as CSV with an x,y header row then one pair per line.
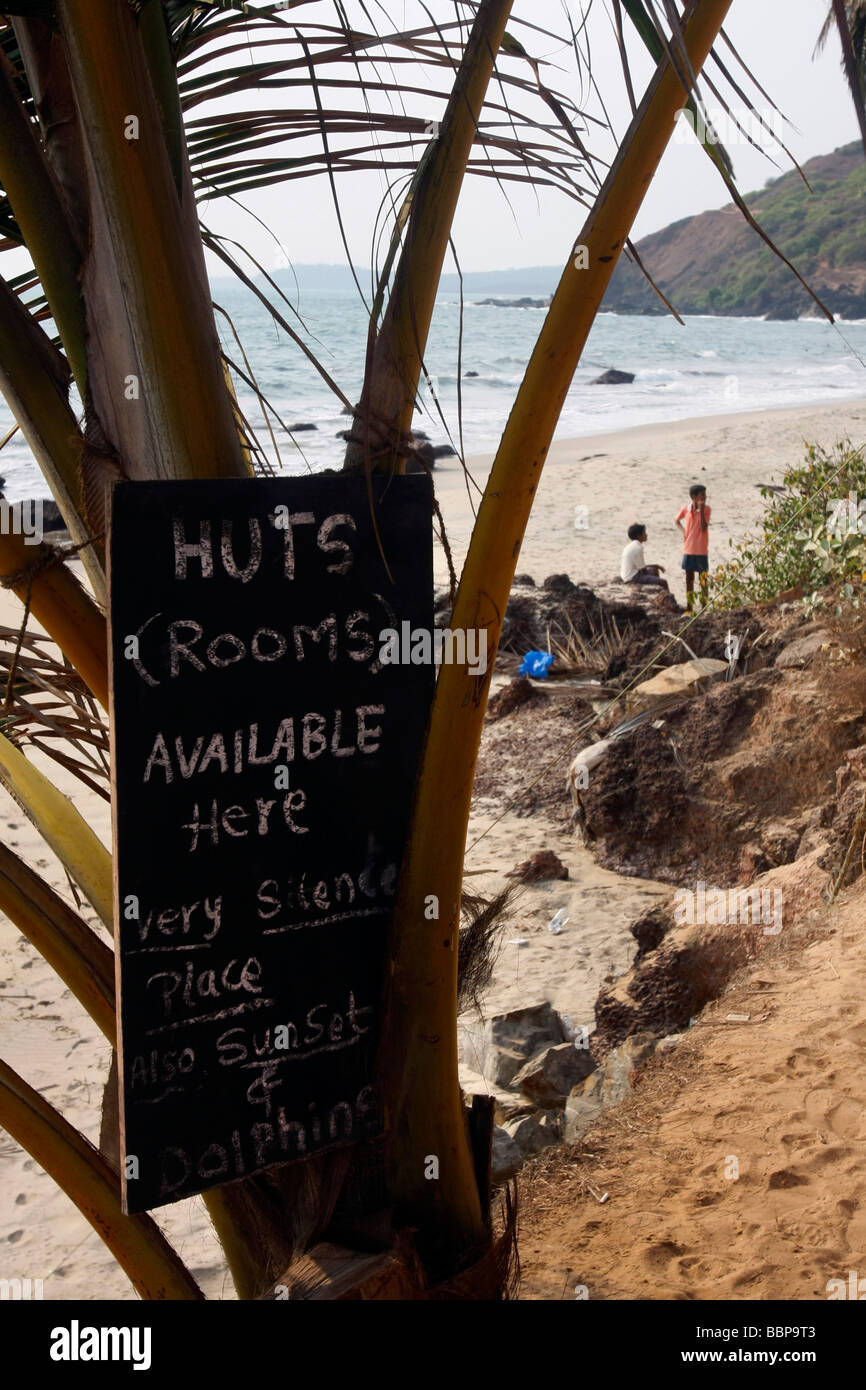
x,y
776,39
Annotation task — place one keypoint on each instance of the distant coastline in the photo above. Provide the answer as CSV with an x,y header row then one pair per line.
x,y
713,264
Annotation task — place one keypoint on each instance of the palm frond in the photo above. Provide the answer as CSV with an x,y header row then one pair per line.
x,y
50,708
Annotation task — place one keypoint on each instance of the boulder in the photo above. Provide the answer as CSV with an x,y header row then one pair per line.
x,y
424,454
551,1075
583,1106
506,1104
686,678
422,458
606,1086
499,1047
613,378
505,1158
533,1132
801,651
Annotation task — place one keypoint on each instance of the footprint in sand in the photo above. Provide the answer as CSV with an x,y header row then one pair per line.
x,y
707,1199
659,1256
845,1117
803,1140
797,1062
830,1155
848,1120
818,1102
750,1275
786,1177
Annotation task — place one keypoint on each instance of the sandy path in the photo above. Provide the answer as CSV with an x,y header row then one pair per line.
x,y
567,969
737,1170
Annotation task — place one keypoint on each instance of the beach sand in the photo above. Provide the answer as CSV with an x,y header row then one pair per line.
x,y
644,474
641,474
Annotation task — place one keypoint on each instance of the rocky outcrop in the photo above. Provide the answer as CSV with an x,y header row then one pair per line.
x,y
731,778
669,985
715,264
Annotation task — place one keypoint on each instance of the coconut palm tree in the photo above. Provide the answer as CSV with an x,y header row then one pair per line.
x,y
119,122
848,17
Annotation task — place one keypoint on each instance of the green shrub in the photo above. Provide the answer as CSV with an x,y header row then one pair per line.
x,y
813,534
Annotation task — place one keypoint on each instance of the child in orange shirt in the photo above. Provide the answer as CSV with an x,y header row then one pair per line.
x,y
694,522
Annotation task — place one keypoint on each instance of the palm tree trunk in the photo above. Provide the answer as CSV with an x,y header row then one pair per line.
x,y
418,1055
180,422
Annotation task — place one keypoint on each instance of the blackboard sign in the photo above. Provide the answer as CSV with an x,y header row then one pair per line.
x,y
263,762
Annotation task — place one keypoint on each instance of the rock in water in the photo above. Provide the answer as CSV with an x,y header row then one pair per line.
x,y
523,303
613,378
51,517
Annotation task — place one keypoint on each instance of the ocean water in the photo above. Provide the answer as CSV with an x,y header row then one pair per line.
x,y
710,366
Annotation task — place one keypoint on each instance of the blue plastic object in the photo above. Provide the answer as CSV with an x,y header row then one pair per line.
x,y
536,664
